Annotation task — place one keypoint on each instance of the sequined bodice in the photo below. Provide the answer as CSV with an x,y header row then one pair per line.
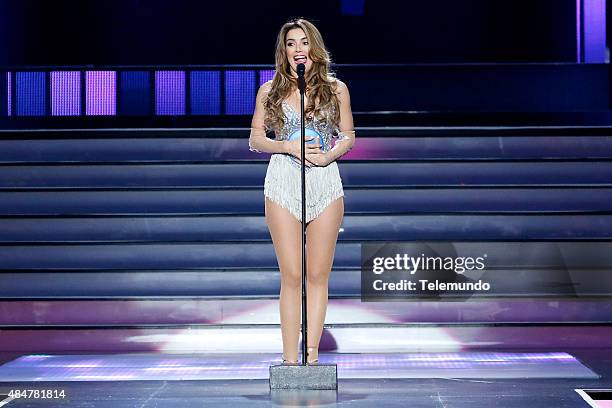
x,y
292,123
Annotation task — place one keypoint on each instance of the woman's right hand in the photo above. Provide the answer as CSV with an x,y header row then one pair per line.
x,y
294,148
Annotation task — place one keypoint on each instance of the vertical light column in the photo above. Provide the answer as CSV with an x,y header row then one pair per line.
x,y
9,98
100,93
31,94
65,93
170,92
594,21
265,75
135,93
578,30
205,92
239,92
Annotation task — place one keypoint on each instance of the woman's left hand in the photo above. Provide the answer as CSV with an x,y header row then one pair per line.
x,y
318,159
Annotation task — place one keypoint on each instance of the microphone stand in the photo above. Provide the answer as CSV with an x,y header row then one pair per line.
x,y
302,88
304,376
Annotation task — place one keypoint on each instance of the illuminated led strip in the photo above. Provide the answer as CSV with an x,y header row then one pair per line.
x,y
65,93
239,92
594,20
9,99
31,94
591,31
578,30
205,92
101,93
170,92
100,88
265,75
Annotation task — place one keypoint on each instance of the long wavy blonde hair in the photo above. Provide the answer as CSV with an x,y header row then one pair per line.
x,y
320,80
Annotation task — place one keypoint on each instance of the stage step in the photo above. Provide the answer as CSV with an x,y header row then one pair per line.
x,y
118,213
215,145
355,174
249,229
174,312
357,201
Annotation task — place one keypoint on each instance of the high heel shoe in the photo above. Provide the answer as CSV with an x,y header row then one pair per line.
x,y
288,362
312,362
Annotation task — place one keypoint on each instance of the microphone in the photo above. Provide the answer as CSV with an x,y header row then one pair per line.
x,y
301,69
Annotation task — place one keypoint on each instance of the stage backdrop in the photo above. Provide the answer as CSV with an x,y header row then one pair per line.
x,y
160,32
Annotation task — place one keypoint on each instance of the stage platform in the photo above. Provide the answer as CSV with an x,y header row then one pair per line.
x,y
179,367
432,380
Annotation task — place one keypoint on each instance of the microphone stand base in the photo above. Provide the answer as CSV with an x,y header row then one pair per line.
x,y
304,377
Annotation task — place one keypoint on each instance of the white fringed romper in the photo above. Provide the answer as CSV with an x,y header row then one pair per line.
x,y
283,177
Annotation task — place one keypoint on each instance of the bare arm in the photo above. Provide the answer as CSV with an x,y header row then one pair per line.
x,y
258,141
347,132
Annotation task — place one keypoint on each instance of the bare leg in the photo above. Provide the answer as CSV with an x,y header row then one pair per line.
x,y
321,238
286,232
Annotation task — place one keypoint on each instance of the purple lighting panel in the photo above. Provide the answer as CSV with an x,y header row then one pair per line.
x,y
594,21
205,93
265,75
9,101
239,92
31,93
578,30
170,92
101,93
65,93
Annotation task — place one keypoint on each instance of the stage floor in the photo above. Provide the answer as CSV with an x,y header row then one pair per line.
x,y
238,366
503,386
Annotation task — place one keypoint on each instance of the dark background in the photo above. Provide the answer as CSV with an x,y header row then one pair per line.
x,y
160,32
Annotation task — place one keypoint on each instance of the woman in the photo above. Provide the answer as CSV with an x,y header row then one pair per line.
x,y
328,113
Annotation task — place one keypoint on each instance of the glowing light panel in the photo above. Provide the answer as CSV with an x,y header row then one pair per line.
x,y
239,92
31,93
206,92
265,75
595,31
9,89
101,93
170,92
65,93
